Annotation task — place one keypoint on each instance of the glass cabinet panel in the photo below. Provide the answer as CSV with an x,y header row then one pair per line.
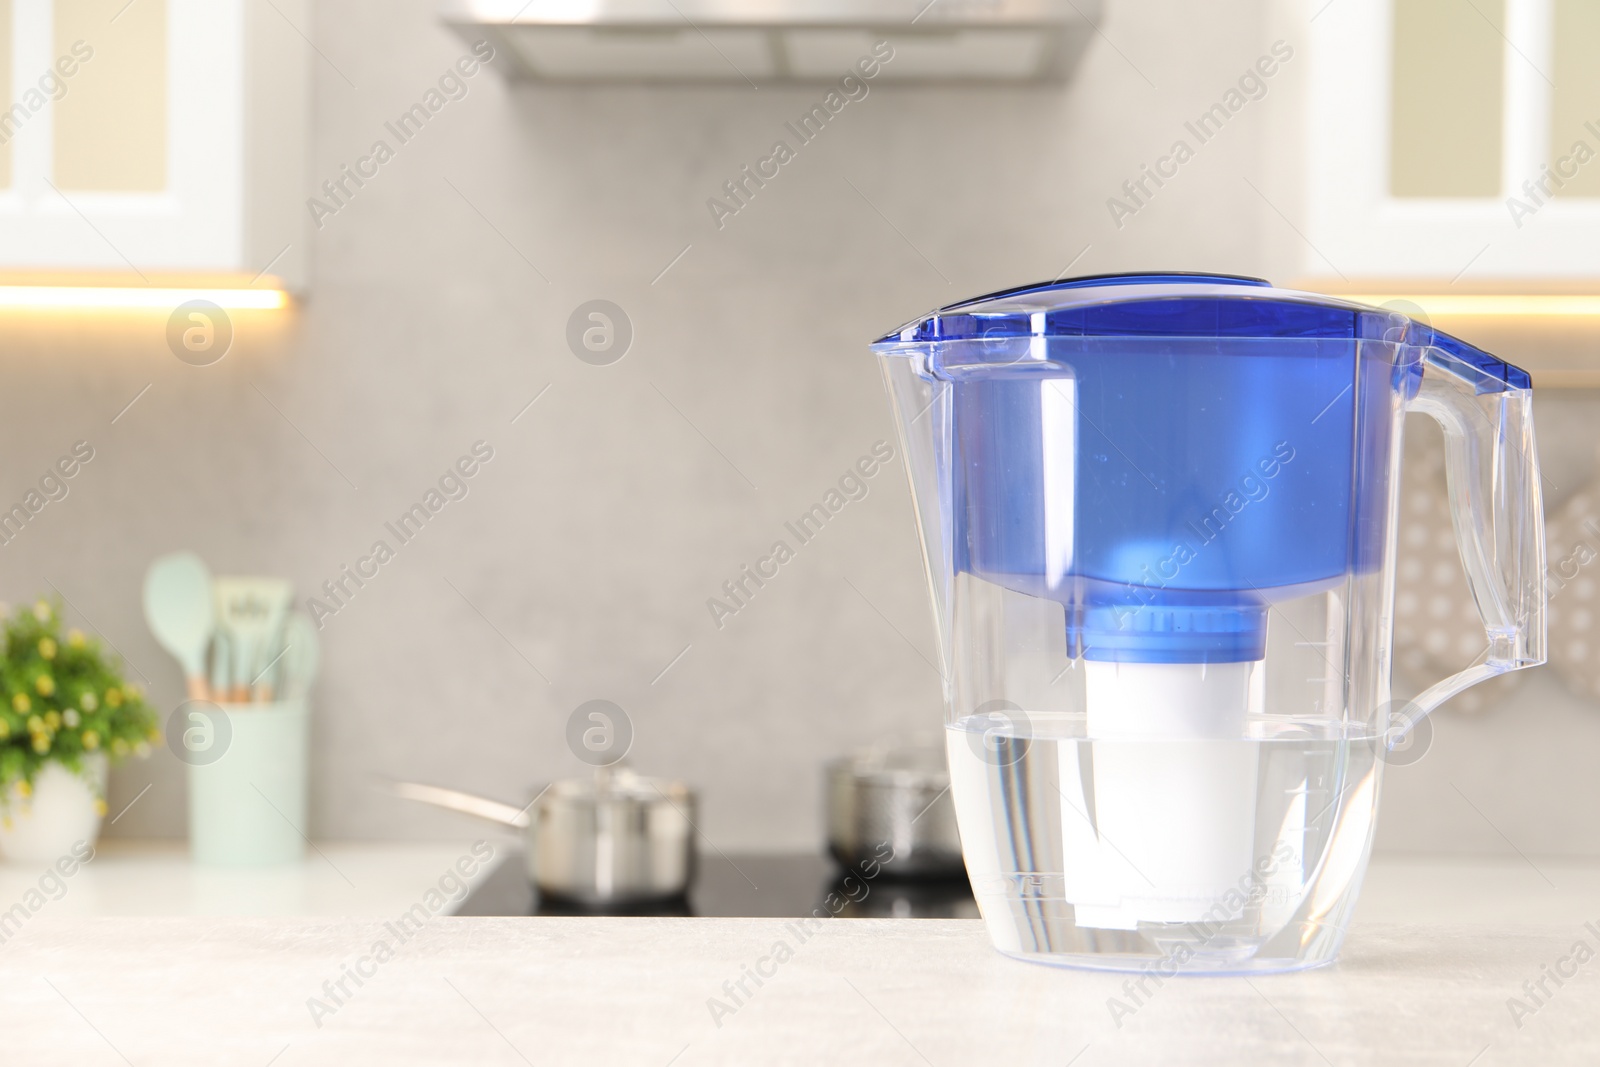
x,y
1575,100
7,130
111,126
1447,98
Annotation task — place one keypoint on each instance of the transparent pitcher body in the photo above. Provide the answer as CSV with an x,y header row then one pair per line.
x,y
1162,574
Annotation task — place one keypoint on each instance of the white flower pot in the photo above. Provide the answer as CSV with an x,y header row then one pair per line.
x,y
62,810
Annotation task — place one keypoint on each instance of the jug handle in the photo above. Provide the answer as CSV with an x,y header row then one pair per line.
x,y
1492,472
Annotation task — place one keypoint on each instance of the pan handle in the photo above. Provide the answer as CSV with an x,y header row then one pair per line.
x,y
467,803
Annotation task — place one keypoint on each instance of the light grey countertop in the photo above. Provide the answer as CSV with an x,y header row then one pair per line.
x,y
152,878
124,971
218,990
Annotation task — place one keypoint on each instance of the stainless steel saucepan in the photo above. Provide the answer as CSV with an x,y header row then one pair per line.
x,y
894,800
615,840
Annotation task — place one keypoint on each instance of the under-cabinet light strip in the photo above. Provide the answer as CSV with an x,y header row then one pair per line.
x,y
66,296
1490,305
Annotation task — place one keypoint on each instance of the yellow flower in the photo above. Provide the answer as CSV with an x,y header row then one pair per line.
x,y
24,789
99,806
113,697
45,685
75,638
41,743
21,702
91,740
41,611
35,724
133,690
89,701
5,729
47,648
154,734
119,747
52,720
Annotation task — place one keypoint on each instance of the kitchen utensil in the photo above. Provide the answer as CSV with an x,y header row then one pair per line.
x,y
889,808
613,841
297,669
1158,514
221,665
251,610
179,611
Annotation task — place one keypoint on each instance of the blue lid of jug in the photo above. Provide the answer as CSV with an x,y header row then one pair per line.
x,y
1179,304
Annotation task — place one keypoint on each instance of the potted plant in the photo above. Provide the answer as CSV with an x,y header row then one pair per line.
x,y
66,713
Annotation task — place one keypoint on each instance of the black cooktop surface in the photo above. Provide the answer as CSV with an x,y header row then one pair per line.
x,y
772,885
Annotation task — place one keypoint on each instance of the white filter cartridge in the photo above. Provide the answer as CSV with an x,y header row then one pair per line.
x,y
1159,817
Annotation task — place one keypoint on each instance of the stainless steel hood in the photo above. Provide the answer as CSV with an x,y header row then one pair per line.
x,y
759,41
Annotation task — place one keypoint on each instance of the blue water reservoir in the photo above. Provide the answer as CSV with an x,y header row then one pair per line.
x,y
1167,455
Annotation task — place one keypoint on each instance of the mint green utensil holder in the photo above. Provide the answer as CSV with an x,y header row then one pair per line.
x,y
247,807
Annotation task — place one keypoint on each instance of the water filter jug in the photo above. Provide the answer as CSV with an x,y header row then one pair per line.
x,y
1158,514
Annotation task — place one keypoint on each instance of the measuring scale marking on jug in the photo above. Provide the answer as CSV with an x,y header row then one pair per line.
x,y
1158,515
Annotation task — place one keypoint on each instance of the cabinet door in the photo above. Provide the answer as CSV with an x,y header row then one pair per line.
x,y
121,138
1446,135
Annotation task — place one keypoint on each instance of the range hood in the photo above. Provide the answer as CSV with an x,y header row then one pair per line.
x,y
760,41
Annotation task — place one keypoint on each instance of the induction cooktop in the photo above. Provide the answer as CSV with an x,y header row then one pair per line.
x,y
770,885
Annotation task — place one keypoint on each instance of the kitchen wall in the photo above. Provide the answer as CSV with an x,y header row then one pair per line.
x,y
580,562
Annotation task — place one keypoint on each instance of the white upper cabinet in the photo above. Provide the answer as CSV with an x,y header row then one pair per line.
x,y
154,136
1447,135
